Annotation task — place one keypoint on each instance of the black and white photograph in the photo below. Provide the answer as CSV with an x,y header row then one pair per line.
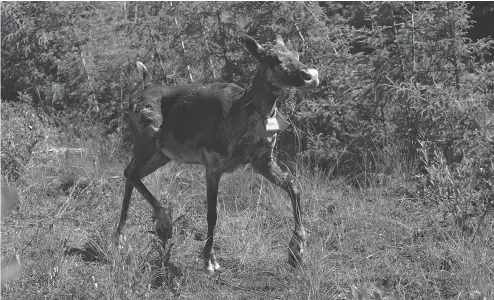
x,y
247,150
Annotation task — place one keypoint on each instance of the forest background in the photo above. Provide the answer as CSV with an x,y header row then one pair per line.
x,y
405,105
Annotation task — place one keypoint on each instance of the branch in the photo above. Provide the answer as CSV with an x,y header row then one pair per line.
x,y
183,47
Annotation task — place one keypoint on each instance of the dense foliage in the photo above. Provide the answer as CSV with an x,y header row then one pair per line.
x,y
399,79
23,127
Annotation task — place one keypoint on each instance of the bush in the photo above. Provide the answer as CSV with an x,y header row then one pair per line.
x,y
23,127
462,193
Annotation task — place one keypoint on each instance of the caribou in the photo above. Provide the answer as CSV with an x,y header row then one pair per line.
x,y
222,127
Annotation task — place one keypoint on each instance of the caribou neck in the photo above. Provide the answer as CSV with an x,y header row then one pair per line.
x,y
262,95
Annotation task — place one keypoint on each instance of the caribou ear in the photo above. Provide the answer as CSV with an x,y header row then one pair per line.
x,y
143,71
252,46
279,40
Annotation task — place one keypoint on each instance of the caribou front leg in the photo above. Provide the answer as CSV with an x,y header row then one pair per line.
x,y
212,183
270,170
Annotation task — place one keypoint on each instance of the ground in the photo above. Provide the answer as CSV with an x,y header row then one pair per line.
x,y
373,242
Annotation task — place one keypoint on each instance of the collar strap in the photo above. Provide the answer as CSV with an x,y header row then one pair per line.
x,y
276,90
250,108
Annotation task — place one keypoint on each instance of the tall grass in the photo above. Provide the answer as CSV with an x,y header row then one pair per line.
x,y
371,240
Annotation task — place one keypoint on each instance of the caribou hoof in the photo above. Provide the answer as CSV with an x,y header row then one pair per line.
x,y
296,248
119,239
210,264
163,224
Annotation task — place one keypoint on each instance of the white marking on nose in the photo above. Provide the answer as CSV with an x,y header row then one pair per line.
x,y
315,76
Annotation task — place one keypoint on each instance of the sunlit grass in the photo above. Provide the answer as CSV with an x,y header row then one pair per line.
x,y
371,242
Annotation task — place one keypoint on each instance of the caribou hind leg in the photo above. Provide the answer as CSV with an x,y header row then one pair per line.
x,y
146,159
123,214
137,171
271,171
156,161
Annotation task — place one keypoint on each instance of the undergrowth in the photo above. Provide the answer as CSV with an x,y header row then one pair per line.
x,y
373,240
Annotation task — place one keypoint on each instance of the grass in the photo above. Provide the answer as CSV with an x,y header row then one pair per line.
x,y
373,243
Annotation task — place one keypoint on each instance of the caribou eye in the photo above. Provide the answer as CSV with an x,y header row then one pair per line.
x,y
273,58
276,59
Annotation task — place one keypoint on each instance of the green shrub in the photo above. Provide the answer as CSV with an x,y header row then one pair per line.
x,y
23,127
462,193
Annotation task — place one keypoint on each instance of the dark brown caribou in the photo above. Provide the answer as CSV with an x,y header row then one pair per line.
x,y
217,126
